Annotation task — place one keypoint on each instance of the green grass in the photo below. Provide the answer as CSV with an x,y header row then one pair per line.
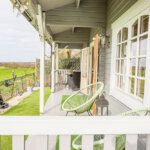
x,y
28,107
6,73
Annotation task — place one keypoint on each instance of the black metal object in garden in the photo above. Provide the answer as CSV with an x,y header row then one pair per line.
x,y
3,104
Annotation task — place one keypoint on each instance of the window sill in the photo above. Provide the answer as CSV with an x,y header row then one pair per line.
x,y
127,99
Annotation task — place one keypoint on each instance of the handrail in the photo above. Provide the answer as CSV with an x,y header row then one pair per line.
x,y
72,125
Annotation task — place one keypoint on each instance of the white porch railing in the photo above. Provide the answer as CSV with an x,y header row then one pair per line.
x,y
61,76
86,126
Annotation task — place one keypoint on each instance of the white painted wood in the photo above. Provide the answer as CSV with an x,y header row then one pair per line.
x,y
42,75
131,142
57,63
52,139
37,142
87,142
64,142
72,125
18,142
53,68
41,26
41,143
109,142
148,142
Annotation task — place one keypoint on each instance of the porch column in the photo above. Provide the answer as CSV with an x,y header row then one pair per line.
x,y
41,26
57,67
42,75
53,68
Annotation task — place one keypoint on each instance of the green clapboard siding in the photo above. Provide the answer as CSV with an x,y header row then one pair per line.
x,y
115,8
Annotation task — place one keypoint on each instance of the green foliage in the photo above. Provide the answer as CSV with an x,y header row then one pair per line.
x,y
70,63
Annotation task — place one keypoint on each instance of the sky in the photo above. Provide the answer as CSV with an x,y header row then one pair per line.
x,y
19,41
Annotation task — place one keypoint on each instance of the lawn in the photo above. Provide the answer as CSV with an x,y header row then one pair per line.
x,y
6,73
28,107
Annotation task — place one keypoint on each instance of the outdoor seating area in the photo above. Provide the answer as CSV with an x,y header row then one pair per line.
x,y
93,76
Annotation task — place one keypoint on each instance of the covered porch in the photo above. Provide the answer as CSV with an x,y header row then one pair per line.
x,y
76,24
95,27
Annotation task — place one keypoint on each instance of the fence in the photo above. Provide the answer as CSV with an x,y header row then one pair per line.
x,y
109,127
61,76
10,87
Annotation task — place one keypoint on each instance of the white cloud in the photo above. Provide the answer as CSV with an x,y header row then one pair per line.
x,y
19,41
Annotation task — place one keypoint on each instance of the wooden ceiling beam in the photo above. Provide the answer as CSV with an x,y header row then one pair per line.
x,y
78,3
79,36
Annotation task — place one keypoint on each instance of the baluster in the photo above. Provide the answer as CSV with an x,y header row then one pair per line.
x,y
148,142
87,142
131,142
18,142
64,142
109,142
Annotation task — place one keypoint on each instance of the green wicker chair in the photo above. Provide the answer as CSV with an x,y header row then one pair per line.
x,y
83,99
120,142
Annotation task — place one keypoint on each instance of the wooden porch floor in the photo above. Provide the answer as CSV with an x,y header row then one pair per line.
x,y
53,105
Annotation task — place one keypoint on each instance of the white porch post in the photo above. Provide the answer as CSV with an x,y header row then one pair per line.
x,y
53,68
42,75
41,25
57,67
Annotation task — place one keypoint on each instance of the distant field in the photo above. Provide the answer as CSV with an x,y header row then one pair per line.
x,y
6,73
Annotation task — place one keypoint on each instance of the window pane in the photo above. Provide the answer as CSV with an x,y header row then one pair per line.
x,y
144,24
141,67
117,80
131,85
123,50
124,34
140,88
123,66
133,48
135,29
122,82
143,45
132,67
117,66
119,37
118,51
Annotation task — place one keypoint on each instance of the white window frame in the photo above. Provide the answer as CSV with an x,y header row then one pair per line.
x,y
140,8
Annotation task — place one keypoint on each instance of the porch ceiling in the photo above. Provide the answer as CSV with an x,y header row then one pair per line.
x,y
70,21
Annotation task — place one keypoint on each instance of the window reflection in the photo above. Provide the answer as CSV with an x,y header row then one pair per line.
x,y
133,49
141,67
144,24
140,88
143,45
131,85
132,67
135,29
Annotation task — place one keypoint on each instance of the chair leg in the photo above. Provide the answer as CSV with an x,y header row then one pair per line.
x,y
67,113
90,113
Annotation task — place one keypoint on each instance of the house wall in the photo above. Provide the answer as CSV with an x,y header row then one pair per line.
x,y
115,8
